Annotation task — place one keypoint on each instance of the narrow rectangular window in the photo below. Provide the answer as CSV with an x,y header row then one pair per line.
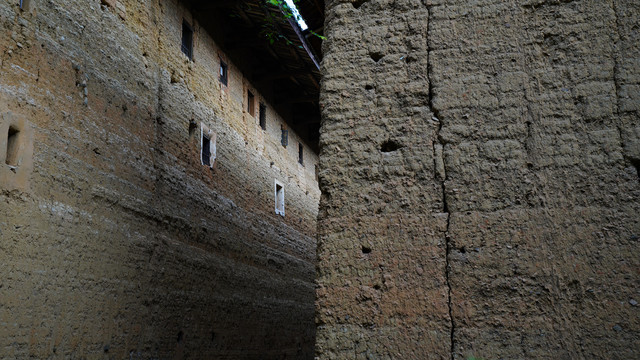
x,y
251,108
187,40
206,150
207,146
284,140
279,197
300,154
263,116
12,147
224,73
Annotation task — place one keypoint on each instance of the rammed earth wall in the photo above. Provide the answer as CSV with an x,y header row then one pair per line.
x,y
115,242
479,170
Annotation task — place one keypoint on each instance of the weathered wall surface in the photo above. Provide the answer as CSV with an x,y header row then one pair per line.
x,y
382,255
115,242
502,220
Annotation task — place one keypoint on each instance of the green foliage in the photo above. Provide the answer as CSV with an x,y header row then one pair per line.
x,y
316,34
270,28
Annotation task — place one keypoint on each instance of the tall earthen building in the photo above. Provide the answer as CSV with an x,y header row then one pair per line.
x,y
158,187
431,179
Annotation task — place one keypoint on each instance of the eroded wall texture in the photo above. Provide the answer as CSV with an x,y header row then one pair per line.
x,y
480,177
115,241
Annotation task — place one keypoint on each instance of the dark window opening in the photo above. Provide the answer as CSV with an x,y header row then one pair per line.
x,y
636,164
206,151
285,137
224,76
300,154
187,40
263,117
12,147
251,108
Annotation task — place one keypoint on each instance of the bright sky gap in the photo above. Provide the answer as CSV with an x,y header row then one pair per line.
x,y
296,15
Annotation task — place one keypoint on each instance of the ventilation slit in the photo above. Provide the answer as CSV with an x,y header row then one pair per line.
x,y
389,146
376,56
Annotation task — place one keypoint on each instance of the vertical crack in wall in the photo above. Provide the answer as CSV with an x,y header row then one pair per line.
x,y
440,173
616,69
157,117
616,57
442,176
445,209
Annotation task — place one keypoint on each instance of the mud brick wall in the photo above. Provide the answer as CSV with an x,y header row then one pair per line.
x,y
480,179
115,242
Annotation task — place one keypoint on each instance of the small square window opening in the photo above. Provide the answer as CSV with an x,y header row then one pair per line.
x,y
279,197
187,40
251,106
263,116
224,73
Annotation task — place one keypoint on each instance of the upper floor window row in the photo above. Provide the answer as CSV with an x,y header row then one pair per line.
x,y
187,49
207,140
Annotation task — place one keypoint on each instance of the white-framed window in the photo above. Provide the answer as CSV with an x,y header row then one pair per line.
x,y
279,197
207,146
